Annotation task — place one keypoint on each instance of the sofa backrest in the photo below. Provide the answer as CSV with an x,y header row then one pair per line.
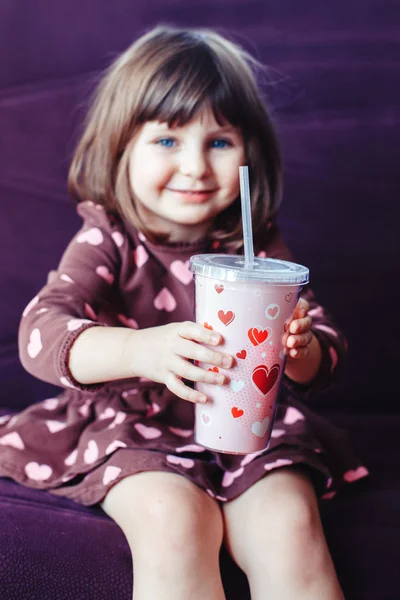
x,y
335,91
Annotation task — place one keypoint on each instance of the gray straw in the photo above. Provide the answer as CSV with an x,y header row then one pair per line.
x,y
246,217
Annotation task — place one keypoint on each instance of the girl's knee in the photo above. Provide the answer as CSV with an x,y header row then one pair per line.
x,y
184,515
169,513
292,507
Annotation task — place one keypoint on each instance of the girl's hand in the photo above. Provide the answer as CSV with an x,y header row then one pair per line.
x,y
298,335
162,354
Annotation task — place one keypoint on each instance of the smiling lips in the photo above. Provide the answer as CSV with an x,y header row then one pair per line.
x,y
193,196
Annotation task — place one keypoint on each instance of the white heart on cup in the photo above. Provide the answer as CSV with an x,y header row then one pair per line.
x,y
236,385
259,428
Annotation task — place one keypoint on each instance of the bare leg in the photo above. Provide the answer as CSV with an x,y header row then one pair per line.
x,y
174,531
274,532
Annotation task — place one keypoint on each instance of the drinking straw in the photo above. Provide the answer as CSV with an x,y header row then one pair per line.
x,y
246,217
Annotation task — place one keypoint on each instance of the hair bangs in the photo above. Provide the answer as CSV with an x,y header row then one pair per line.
x,y
187,84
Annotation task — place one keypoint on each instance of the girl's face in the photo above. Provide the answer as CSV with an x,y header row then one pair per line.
x,y
182,177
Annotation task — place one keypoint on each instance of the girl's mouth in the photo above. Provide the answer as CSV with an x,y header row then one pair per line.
x,y
193,197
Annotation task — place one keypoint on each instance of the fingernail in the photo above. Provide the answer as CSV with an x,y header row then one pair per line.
x,y
226,361
215,338
201,398
219,379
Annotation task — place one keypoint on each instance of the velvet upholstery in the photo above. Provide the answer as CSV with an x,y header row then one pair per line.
x,y
335,92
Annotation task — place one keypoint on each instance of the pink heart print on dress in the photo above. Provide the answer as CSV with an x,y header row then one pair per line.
x,y
334,358
280,462
71,458
230,476
105,274
35,343
91,453
66,278
182,433
292,415
89,312
110,474
30,305
108,413
190,448
181,271
92,236
118,238
55,426
128,321
140,256
165,301
12,439
148,433
114,446
355,474
74,324
186,463
50,403
38,472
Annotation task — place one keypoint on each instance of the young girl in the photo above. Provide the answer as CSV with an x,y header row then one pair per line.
x,y
157,177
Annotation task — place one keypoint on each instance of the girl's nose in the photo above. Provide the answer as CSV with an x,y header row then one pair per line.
x,y
194,163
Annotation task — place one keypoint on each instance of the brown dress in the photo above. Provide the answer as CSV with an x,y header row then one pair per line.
x,y
82,442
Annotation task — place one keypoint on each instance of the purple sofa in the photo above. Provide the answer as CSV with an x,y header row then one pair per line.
x,y
336,95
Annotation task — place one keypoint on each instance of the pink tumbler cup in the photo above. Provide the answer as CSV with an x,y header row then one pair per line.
x,y
249,307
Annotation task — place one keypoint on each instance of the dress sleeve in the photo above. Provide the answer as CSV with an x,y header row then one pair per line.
x,y
70,301
332,341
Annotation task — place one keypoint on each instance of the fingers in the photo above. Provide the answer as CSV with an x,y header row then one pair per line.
x,y
187,348
193,331
300,325
177,387
296,341
186,370
302,308
299,352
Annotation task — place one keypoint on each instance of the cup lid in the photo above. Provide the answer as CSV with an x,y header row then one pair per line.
x,y
227,267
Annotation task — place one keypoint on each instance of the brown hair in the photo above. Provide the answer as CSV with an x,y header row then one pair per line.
x,y
168,75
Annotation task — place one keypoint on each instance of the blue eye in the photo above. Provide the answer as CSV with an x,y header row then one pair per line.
x,y
166,142
221,143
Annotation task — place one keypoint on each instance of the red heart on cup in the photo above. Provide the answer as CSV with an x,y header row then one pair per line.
x,y
215,369
242,354
264,379
237,412
207,326
226,317
219,288
258,336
